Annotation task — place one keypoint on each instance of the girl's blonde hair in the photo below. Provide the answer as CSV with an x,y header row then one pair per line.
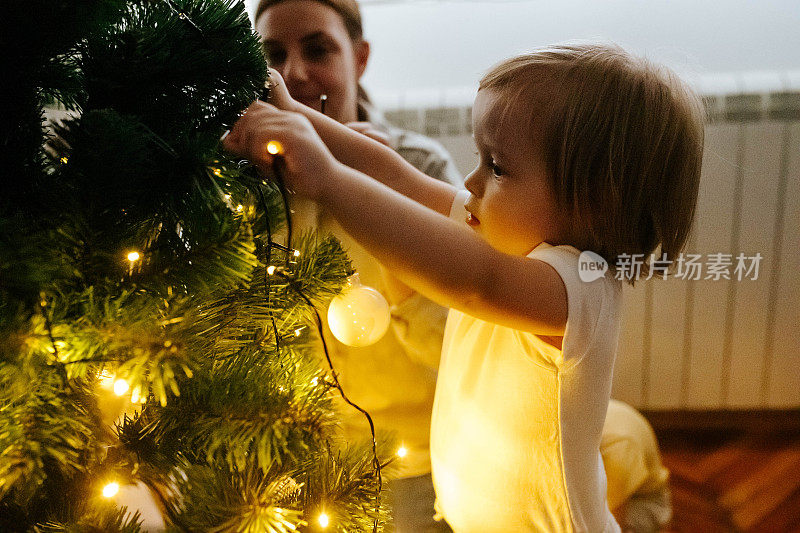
x,y
622,138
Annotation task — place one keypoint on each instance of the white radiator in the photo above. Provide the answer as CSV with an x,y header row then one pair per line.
x,y
705,344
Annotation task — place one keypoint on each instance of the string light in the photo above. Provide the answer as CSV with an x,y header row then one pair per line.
x,y
278,167
120,387
402,451
239,207
64,160
274,148
110,490
323,520
298,332
296,253
134,256
271,270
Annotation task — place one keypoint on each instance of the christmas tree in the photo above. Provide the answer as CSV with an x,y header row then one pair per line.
x,y
153,328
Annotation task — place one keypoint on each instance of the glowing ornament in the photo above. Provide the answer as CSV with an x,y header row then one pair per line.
x,y
139,498
359,316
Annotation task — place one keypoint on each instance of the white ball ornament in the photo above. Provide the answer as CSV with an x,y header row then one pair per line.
x,y
359,316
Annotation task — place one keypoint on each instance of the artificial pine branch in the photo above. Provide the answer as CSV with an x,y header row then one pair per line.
x,y
102,517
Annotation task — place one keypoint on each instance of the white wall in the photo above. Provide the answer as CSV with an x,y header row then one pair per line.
x,y
448,44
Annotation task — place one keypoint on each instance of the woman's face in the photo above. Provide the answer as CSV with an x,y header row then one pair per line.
x,y
307,42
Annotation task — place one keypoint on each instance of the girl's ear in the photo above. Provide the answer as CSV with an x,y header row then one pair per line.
x,y
362,57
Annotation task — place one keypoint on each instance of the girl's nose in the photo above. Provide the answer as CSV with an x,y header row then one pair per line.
x,y
473,183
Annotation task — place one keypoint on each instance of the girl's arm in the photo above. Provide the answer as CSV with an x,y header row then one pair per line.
x,y
441,259
367,155
444,260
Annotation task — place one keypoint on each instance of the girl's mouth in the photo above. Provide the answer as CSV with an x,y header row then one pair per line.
x,y
472,220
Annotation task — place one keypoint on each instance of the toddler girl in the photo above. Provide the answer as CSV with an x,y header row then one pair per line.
x,y
582,148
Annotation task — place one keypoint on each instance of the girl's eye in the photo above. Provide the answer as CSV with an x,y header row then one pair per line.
x,y
496,171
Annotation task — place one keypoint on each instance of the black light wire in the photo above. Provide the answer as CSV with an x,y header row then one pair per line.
x,y
278,168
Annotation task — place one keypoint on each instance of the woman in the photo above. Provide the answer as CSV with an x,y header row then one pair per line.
x,y
318,47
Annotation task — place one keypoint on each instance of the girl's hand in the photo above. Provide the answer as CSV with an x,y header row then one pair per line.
x,y
368,129
307,160
279,94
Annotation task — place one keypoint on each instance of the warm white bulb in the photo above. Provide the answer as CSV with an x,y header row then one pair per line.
x,y
297,253
402,452
110,490
271,270
323,520
239,207
133,256
274,148
120,387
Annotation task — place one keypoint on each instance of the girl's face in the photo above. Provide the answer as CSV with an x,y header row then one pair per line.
x,y
511,205
307,42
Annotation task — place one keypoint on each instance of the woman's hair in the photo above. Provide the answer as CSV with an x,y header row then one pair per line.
x,y
622,140
347,9
350,14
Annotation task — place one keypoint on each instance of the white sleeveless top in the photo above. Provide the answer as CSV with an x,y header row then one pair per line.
x,y
516,426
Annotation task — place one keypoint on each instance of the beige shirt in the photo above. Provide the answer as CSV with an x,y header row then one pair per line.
x,y
630,455
515,437
394,379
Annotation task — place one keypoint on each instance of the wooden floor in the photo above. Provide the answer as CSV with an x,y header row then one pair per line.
x,y
733,480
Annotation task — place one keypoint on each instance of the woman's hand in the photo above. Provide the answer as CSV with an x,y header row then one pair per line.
x,y
307,160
